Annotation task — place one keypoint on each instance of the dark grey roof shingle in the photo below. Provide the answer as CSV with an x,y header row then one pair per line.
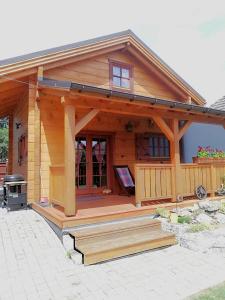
x,y
219,104
16,59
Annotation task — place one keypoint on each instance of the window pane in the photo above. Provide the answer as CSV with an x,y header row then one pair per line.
x,y
161,152
167,154
116,81
125,83
103,181
125,73
116,71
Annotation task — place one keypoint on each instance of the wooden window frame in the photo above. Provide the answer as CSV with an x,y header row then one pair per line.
x,y
153,158
113,63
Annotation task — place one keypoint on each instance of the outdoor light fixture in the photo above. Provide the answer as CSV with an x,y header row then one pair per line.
x,y
150,123
129,126
18,125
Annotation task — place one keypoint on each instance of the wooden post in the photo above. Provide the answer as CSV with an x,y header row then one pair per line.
x,y
37,150
175,159
213,180
69,159
10,151
138,186
32,94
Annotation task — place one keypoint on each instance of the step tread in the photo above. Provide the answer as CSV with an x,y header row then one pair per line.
x,y
109,243
116,227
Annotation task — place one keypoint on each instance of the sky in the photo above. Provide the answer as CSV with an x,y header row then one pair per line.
x,y
189,35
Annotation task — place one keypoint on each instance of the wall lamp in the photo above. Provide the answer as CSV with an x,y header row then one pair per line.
x,y
18,125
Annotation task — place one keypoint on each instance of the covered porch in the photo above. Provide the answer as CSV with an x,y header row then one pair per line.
x,y
81,110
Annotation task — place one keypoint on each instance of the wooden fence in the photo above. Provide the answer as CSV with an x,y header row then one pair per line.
x,y
157,181
57,186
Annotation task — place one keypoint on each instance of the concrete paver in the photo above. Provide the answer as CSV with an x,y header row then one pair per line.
x,y
34,265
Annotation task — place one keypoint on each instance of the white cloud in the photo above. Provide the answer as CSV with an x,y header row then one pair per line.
x,y
172,28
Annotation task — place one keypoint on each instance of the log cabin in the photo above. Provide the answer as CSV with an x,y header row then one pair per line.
x,y
77,111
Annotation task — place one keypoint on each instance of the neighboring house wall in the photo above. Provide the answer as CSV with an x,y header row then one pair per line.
x,y
202,135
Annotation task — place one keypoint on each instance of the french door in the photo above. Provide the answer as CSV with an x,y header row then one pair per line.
x,y
92,163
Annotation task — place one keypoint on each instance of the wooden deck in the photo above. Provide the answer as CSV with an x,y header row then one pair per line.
x,y
108,208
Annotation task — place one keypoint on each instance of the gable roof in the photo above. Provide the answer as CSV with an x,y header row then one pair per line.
x,y
43,57
72,46
219,104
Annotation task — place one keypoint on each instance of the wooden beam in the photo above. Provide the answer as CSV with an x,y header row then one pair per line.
x,y
29,67
5,77
40,72
69,159
184,129
37,150
85,120
10,151
175,160
163,111
164,127
31,168
159,73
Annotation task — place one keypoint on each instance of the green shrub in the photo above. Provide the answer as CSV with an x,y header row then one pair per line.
x,y
222,207
69,254
199,227
163,212
184,219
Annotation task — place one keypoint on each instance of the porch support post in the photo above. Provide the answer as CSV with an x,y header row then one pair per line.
x,y
31,167
37,150
69,159
10,151
175,159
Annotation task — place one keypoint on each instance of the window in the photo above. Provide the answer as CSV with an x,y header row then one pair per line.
x,y
152,146
120,75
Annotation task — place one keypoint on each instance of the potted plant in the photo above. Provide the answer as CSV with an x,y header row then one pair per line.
x,y
209,155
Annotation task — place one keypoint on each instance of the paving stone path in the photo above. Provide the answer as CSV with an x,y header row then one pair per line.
x,y
34,265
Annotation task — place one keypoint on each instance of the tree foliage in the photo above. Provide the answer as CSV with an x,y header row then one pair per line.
x,y
4,138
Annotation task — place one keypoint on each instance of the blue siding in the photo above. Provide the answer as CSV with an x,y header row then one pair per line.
x,y
202,135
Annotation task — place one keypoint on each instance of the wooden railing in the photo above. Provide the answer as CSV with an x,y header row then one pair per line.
x,y
154,181
157,181
193,175
56,191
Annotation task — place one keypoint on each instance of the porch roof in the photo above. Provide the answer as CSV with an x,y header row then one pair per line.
x,y
171,105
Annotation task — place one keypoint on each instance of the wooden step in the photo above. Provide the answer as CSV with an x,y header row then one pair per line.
x,y
108,241
102,230
109,248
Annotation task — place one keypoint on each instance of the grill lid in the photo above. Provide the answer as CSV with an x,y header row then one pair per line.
x,y
13,178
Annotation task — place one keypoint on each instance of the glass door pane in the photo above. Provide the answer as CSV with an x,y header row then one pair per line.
x,y
99,162
81,162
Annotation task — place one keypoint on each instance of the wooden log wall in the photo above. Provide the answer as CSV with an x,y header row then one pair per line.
x,y
56,186
95,72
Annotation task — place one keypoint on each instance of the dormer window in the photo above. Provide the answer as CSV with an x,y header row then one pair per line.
x,y
120,76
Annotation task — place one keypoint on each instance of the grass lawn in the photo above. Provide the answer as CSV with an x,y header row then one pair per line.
x,y
214,293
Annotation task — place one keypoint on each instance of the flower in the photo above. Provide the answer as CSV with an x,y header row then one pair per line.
x,y
210,152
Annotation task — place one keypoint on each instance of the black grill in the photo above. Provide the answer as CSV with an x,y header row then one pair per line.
x,y
14,194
